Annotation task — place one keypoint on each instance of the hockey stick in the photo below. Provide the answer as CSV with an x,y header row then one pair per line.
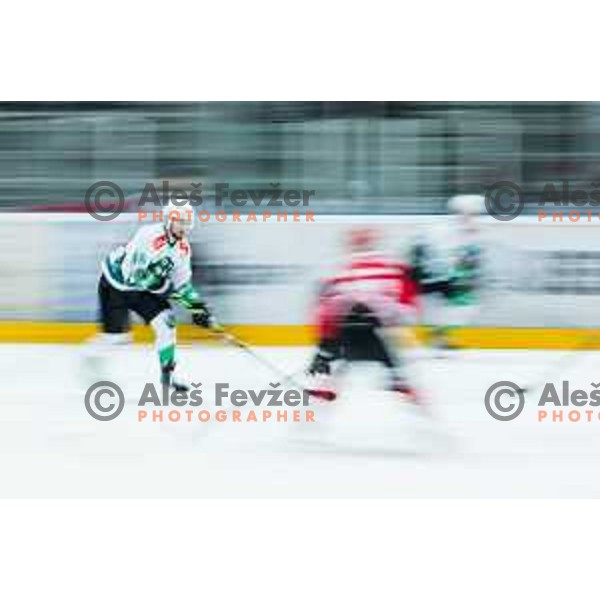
x,y
235,341
586,343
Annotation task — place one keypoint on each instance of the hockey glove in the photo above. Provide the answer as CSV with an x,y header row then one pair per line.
x,y
201,316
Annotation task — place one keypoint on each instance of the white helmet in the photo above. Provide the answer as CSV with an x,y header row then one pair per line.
x,y
181,211
465,205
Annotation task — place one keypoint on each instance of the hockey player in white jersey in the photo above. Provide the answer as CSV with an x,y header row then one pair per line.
x,y
145,276
447,265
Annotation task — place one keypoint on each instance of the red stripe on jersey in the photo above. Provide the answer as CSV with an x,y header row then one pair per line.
x,y
184,246
365,277
377,268
374,263
159,242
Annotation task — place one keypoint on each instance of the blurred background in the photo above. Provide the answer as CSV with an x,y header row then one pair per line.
x,y
399,162
375,157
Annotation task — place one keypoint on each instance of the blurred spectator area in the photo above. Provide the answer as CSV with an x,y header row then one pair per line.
x,y
363,157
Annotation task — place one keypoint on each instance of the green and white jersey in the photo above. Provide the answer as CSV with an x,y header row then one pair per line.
x,y
453,253
465,273
153,262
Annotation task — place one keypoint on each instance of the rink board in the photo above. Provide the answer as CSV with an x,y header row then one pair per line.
x,y
300,335
542,279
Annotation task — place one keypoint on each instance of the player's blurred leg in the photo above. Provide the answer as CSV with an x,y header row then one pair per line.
x,y
114,324
163,325
320,376
364,339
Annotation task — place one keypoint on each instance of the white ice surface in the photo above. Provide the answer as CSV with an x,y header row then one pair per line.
x,y
365,445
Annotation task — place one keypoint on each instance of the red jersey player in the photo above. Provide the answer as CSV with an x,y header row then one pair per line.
x,y
356,309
